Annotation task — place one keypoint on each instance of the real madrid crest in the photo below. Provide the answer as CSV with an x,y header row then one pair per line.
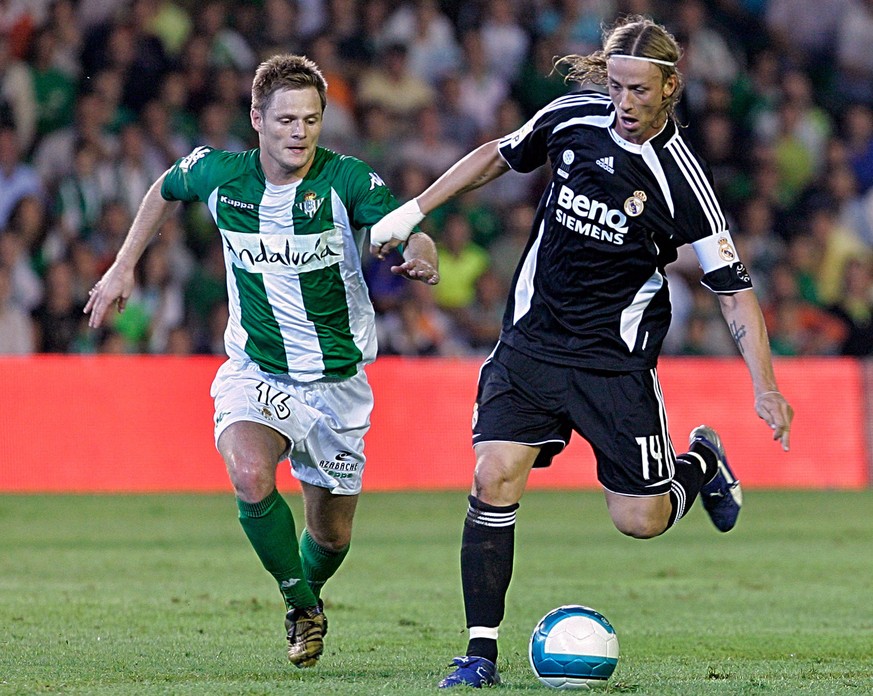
x,y
634,205
726,250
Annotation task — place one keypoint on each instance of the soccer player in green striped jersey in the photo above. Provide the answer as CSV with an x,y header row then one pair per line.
x,y
293,219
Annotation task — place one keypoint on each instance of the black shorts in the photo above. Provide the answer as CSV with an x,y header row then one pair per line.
x,y
621,414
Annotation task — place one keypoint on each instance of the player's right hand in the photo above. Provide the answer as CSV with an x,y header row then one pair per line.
x,y
775,410
114,287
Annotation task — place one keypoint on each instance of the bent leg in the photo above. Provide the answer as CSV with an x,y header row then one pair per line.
x,y
251,452
487,545
639,517
325,542
647,517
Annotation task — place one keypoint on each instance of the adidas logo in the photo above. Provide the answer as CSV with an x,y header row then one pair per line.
x,y
606,163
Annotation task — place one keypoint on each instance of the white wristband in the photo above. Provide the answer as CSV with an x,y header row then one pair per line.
x,y
397,224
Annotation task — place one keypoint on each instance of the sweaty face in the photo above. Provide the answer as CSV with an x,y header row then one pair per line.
x,y
636,89
288,133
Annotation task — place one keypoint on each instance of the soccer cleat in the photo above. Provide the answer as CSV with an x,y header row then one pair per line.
x,y
306,628
471,671
722,497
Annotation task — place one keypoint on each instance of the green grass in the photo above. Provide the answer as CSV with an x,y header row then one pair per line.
x,y
162,595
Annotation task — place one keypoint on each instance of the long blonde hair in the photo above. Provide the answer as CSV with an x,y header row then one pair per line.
x,y
633,35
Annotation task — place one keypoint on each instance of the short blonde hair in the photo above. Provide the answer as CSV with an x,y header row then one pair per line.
x,y
286,71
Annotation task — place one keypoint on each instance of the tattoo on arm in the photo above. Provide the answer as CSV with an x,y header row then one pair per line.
x,y
738,333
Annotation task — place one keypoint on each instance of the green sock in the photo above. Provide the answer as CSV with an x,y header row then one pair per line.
x,y
270,528
319,563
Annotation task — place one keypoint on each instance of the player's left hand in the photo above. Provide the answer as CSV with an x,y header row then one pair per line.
x,y
775,410
417,269
381,251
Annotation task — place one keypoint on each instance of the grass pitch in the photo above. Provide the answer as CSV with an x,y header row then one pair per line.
x,y
163,595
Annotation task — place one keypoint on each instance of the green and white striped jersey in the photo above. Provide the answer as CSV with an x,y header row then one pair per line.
x,y
298,301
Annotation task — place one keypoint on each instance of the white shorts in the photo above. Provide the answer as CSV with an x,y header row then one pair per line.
x,y
324,422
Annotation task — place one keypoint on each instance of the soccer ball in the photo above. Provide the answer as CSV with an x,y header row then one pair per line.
x,y
573,647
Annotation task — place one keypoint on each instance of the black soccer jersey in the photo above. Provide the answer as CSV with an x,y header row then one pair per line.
x,y
590,289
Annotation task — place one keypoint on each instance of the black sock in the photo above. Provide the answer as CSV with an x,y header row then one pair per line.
x,y
487,548
693,469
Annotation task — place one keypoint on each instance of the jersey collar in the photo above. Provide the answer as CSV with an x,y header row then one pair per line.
x,y
658,140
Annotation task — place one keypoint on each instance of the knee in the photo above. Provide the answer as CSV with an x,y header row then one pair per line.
x,y
335,540
640,526
253,478
495,485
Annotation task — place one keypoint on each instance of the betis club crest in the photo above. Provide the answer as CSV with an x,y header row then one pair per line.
x,y
310,203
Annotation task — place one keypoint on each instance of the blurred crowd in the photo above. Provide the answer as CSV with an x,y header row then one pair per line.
x,y
99,97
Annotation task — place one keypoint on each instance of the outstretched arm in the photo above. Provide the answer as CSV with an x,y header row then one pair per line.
x,y
420,260
117,283
476,169
746,323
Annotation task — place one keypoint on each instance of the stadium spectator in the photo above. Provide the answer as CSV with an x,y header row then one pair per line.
x,y
707,59
455,124
26,285
427,145
17,178
392,85
836,245
853,54
164,143
377,141
17,96
796,325
572,355
858,134
79,200
67,34
16,329
428,36
134,168
481,89
416,326
482,319
757,243
855,307
572,26
360,42
537,82
506,250
227,47
30,222
340,118
214,128
461,263
505,43
110,231
806,32
54,88
301,325
55,153
58,320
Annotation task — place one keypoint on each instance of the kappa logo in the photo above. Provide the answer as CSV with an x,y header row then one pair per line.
x,y
606,163
197,154
375,180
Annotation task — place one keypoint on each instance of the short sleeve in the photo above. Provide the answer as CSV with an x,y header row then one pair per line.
x,y
187,179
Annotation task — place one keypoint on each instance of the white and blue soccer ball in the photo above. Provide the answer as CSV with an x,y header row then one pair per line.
x,y
573,647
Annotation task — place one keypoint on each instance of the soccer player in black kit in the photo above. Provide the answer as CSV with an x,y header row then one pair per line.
x,y
588,311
